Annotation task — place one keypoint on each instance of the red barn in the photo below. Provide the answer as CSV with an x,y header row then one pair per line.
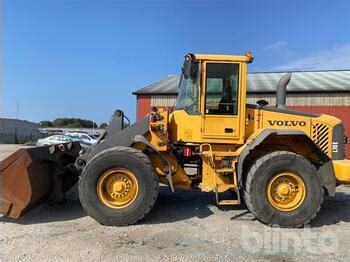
x,y
321,92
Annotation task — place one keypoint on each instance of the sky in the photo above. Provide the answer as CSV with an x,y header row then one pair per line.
x,y
84,58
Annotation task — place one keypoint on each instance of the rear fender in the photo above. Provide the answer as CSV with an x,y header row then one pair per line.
x,y
313,153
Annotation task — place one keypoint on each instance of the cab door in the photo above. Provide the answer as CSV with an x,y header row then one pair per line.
x,y
222,98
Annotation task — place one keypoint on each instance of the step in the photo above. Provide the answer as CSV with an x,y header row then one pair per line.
x,y
226,202
228,186
220,154
224,153
225,170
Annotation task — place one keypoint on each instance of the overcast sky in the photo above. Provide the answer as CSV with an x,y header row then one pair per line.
x,y
83,58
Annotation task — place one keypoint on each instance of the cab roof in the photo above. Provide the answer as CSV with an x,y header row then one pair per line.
x,y
248,57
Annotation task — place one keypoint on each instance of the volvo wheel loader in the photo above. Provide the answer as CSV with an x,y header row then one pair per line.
x,y
278,162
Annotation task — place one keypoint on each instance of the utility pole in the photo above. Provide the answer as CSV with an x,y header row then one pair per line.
x,y
17,109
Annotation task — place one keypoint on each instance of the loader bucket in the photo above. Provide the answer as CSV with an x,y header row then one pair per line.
x,y
32,175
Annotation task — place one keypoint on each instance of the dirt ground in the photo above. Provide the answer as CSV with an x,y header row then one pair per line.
x,y
185,226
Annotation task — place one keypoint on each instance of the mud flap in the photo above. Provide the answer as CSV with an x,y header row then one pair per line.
x,y
30,176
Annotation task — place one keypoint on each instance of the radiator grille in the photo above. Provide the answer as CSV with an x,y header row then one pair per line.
x,y
320,135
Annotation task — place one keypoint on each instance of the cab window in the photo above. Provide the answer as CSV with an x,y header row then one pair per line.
x,y
189,90
221,89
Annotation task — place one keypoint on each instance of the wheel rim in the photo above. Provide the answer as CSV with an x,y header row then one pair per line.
x,y
286,191
117,188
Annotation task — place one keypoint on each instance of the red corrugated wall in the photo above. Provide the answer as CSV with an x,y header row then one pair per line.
x,y
143,106
341,112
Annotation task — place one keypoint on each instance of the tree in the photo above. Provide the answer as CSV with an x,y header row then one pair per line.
x,y
69,123
60,122
103,125
45,123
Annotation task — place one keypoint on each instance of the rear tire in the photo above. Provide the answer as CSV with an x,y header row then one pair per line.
x,y
283,188
100,204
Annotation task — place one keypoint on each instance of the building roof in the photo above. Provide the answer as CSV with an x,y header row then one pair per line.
x,y
312,81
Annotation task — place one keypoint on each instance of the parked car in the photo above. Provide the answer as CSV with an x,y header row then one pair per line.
x,y
55,139
83,137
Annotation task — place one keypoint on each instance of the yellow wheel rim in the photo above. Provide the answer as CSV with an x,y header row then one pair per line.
x,y
286,191
117,188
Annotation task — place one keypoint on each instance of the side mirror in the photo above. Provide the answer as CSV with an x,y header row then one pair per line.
x,y
186,69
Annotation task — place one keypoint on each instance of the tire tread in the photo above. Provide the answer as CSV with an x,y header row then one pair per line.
x,y
253,172
133,152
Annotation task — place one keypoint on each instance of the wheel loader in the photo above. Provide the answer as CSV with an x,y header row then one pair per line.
x,y
280,163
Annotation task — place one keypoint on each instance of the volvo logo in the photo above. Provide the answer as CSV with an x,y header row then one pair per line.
x,y
286,123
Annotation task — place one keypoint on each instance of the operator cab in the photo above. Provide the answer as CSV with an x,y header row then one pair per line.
x,y
212,97
222,84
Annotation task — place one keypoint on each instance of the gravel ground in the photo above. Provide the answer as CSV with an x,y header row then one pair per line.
x,y
6,150
185,226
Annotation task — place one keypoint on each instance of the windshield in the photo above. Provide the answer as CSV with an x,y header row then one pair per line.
x,y
188,98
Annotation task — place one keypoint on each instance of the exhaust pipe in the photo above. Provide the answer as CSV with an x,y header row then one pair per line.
x,y
282,91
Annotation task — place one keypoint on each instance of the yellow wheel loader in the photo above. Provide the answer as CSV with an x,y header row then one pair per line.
x,y
278,162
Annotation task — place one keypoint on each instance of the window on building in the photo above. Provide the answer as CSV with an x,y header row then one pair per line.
x,y
221,89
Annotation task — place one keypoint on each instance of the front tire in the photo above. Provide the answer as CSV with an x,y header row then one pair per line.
x,y
118,187
283,188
